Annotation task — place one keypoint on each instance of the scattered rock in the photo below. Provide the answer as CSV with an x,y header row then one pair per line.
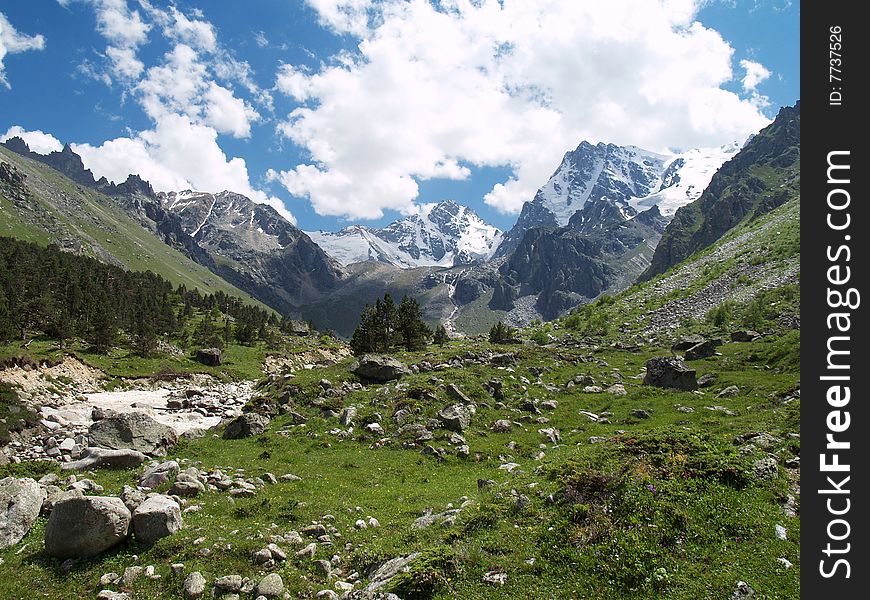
x,y
495,578
211,357
552,434
687,342
20,503
229,583
593,389
670,372
745,336
640,414
707,380
456,394
194,586
158,474
705,349
81,527
158,517
246,425
135,431
743,591
501,426
781,532
456,417
380,369
383,574
728,392
765,468
110,595
93,458
271,586
617,389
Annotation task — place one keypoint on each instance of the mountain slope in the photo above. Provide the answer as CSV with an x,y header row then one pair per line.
x,y
443,234
628,178
40,204
255,248
762,176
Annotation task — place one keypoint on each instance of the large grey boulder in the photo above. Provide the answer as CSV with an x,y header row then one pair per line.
x,y
81,527
686,342
456,417
134,431
246,425
20,503
158,517
705,349
94,457
670,372
380,369
210,357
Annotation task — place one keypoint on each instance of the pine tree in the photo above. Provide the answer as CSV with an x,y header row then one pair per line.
x,y
502,334
441,336
413,331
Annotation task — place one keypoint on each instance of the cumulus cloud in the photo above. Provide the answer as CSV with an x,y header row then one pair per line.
x,y
13,42
755,73
38,141
187,93
125,31
177,154
434,90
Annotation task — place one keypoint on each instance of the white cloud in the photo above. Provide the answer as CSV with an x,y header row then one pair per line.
x,y
756,73
226,113
434,89
124,30
38,141
260,39
177,154
179,27
13,42
343,16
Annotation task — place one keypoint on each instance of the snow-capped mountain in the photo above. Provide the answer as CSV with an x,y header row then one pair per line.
x,y
628,178
443,235
255,247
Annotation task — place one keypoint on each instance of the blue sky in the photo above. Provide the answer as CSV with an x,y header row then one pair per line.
x,y
340,111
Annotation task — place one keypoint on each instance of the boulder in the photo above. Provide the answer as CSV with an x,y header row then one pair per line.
x,y
271,586
134,431
380,369
210,357
94,457
158,474
456,417
158,517
194,586
383,574
705,349
670,372
456,394
686,342
246,425
81,527
20,503
297,327
744,336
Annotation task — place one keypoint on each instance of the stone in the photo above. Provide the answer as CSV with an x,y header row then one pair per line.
x,y
456,417
375,428
277,552
640,413
210,357
194,586
347,416
82,527
617,389
781,532
729,392
53,495
765,468
93,458
158,474
110,595
158,517
20,503
229,583
134,431
131,497
262,556
187,487
670,372
495,578
131,574
324,567
552,434
271,586
744,336
327,594
686,342
381,577
707,380
501,426
308,551
593,389
297,327
246,425
456,394
705,349
380,369
743,591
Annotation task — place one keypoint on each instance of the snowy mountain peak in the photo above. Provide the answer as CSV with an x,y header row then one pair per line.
x,y
443,234
628,178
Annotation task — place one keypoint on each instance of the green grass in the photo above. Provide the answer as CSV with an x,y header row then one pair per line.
x,y
670,507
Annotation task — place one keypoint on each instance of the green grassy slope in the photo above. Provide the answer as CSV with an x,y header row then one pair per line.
x,y
60,211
